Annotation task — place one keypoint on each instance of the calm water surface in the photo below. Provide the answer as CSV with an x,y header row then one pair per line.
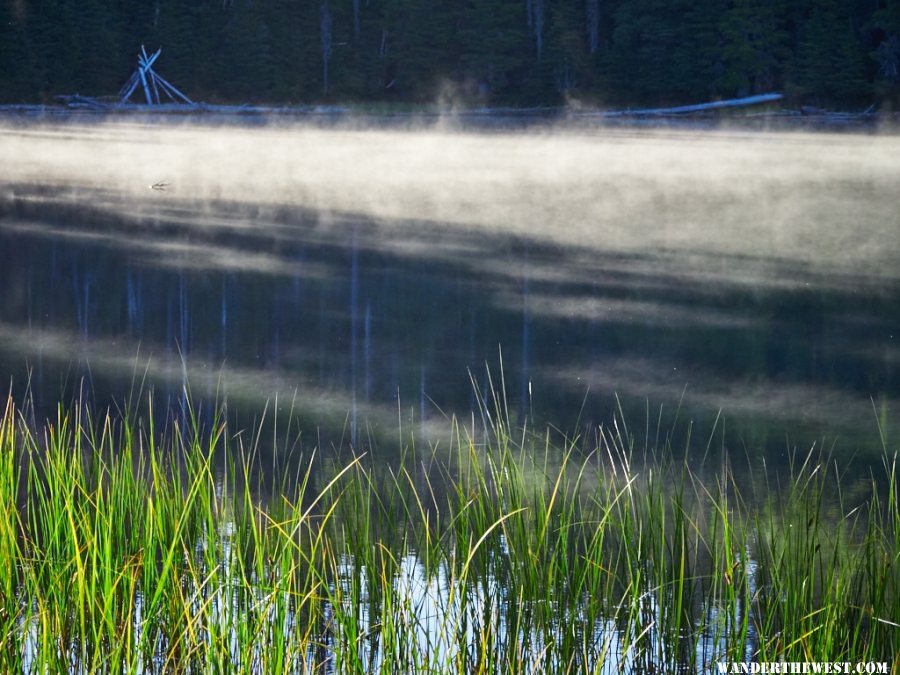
x,y
363,278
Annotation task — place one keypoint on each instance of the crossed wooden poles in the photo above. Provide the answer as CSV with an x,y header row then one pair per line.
x,y
151,82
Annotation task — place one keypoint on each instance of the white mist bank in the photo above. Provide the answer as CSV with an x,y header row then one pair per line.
x,y
828,201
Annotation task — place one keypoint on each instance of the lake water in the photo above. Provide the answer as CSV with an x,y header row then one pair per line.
x,y
356,278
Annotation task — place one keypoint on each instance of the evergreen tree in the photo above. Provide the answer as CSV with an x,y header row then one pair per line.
x,y
627,52
884,30
568,52
290,50
18,68
830,62
697,59
663,52
592,24
755,47
421,47
247,53
193,53
56,50
97,24
494,48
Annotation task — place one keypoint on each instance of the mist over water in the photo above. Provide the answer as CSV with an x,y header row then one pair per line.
x,y
341,269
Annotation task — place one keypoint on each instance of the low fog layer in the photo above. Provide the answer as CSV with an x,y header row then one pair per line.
x,y
827,201
362,270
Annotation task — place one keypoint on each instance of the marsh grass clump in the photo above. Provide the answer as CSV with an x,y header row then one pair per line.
x,y
132,549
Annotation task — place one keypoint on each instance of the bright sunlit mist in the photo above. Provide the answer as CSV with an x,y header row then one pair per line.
x,y
822,200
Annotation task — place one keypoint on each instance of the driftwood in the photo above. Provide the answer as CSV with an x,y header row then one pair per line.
x,y
151,82
489,117
79,101
702,107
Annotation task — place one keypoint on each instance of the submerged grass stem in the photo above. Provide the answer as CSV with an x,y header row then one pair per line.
x,y
129,550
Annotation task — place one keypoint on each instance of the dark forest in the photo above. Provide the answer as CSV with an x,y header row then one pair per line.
x,y
829,53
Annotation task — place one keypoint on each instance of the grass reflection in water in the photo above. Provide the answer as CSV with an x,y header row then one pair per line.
x,y
130,548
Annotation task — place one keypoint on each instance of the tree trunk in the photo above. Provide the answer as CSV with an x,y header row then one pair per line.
x,y
593,25
537,10
325,25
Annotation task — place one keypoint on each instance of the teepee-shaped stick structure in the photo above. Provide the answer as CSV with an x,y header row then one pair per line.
x,y
151,82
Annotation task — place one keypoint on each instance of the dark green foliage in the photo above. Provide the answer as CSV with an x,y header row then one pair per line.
x,y
755,47
665,52
125,545
830,65
495,52
520,52
883,40
18,69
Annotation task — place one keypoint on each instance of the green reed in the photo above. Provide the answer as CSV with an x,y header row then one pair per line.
x,y
132,549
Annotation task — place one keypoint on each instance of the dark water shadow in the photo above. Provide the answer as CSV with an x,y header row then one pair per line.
x,y
354,323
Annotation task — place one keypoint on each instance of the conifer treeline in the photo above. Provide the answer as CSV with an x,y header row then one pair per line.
x,y
520,52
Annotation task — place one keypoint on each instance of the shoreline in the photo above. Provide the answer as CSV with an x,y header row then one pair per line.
x,y
501,118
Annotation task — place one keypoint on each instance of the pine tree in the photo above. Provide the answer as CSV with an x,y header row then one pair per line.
x,y
288,58
592,24
633,52
494,48
56,50
421,46
568,48
663,52
248,53
755,47
884,28
830,62
97,35
18,71
193,38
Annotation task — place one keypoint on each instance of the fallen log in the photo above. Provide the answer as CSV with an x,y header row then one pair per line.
x,y
703,107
